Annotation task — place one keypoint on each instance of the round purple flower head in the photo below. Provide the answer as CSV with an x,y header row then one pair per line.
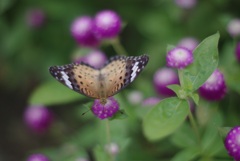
x,y
233,27
164,77
107,24
232,143
237,52
38,157
95,58
35,18
82,31
188,42
214,88
186,4
38,118
179,57
107,110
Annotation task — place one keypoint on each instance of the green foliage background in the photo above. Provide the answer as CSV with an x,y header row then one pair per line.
x,y
149,26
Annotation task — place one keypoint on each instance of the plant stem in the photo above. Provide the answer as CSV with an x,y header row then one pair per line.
x,y
194,126
111,158
118,47
108,132
180,75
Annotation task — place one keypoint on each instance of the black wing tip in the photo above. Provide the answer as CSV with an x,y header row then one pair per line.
x,y
146,57
52,70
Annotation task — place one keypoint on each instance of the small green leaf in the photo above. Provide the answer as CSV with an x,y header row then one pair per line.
x,y
223,131
178,90
121,114
52,93
186,154
165,118
205,62
195,98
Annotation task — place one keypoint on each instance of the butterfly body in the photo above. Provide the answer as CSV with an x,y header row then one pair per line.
x,y
100,83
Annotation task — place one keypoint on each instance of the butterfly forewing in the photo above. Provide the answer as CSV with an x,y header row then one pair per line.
x,y
121,71
80,77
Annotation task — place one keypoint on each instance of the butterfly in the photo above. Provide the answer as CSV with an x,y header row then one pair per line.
x,y
100,83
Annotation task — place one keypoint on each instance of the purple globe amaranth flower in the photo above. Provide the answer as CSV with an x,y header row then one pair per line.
x,y
164,77
107,24
151,101
82,31
233,27
214,88
189,42
38,118
95,58
232,143
237,52
37,157
186,4
135,97
107,110
35,18
179,57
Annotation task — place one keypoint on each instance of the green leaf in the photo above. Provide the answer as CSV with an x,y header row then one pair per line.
x,y
195,98
178,90
121,114
184,137
186,154
205,62
210,136
165,118
52,93
223,131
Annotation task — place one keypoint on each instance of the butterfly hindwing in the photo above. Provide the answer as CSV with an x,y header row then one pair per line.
x,y
81,78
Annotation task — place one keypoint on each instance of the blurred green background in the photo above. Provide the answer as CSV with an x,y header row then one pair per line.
x,y
26,54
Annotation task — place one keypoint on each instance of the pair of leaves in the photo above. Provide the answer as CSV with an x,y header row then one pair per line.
x,y
170,113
